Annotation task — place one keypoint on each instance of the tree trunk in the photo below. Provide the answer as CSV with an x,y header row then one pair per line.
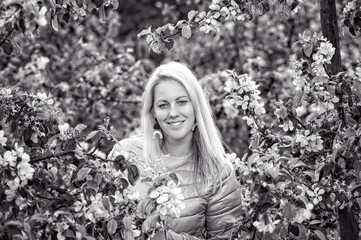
x,y
347,221
330,31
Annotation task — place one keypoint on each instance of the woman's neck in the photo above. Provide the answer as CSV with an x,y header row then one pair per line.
x,y
177,149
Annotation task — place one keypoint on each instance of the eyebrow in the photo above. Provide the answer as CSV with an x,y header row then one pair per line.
x,y
162,100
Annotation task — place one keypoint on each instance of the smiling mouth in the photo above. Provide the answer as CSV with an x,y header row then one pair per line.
x,y
175,123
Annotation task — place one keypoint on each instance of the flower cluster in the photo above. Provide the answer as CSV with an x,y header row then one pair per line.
x,y
244,93
95,211
309,142
21,170
350,6
3,139
67,132
324,52
230,11
169,199
266,223
45,98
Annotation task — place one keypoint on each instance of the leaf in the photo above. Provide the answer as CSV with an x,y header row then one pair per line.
x,y
289,211
308,49
156,46
320,235
15,223
115,4
150,222
112,226
298,99
357,86
106,203
54,23
227,220
169,44
315,222
91,135
133,174
80,127
357,166
83,173
69,234
186,31
145,32
311,117
174,177
252,158
27,230
192,15
17,49
93,185
355,188
7,47
102,15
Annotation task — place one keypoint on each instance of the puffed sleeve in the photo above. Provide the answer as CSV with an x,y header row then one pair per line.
x,y
223,201
130,145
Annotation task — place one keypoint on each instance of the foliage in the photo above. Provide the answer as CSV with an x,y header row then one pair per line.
x,y
28,16
55,183
301,125
305,166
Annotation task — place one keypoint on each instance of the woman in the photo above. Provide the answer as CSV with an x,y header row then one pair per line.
x,y
181,136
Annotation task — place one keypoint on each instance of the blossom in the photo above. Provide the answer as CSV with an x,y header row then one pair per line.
x,y
310,142
6,92
13,185
168,198
134,196
96,210
244,93
324,53
9,159
303,213
287,126
266,223
25,172
45,98
41,18
2,138
64,129
316,194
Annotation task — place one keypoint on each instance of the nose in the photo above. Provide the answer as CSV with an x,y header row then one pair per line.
x,y
173,112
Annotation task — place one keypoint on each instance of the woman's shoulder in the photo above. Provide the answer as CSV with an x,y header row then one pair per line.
x,y
132,144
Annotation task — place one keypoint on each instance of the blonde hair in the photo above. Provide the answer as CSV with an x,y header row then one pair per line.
x,y
208,151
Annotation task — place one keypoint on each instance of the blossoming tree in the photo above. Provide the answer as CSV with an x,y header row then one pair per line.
x,y
300,178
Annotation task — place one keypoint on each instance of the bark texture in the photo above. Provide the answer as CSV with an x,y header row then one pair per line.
x,y
347,221
330,31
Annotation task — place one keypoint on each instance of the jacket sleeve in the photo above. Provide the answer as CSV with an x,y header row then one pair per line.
x,y
224,200
130,145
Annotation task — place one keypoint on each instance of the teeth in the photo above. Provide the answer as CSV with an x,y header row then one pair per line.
x,y
175,123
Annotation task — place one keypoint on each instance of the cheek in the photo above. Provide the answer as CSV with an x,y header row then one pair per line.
x,y
159,114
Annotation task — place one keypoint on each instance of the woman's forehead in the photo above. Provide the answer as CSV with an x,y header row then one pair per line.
x,y
169,89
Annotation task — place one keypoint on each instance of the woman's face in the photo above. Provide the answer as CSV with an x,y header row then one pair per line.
x,y
174,111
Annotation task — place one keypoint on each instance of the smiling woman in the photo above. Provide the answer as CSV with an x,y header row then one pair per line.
x,y
179,131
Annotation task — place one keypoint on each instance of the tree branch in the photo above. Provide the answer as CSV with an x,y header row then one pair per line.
x,y
7,36
38,159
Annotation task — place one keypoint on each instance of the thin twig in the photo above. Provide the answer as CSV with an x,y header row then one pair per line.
x,y
8,35
38,159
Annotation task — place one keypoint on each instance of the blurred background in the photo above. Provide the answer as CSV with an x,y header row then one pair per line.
x,y
93,70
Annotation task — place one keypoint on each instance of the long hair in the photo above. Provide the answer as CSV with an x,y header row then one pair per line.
x,y
207,149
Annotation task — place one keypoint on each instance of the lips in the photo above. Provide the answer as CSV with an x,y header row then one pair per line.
x,y
177,123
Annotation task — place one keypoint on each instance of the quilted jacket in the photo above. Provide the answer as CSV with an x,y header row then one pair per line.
x,y
200,218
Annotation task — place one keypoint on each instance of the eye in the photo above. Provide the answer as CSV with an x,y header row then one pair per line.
x,y
163,105
182,102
